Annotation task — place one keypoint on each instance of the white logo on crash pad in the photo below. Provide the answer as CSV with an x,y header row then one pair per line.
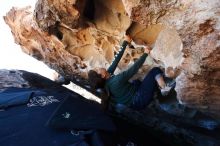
x,y
42,101
66,115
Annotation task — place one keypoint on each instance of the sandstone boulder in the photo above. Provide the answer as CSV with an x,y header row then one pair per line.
x,y
73,37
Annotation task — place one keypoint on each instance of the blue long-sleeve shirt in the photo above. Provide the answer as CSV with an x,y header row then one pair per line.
x,y
118,85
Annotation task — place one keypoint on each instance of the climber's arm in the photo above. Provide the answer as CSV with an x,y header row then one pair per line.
x,y
118,56
126,75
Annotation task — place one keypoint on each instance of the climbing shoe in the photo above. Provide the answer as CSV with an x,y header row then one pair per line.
x,y
170,84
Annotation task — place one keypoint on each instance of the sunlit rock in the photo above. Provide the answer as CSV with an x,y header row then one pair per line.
x,y
197,24
74,36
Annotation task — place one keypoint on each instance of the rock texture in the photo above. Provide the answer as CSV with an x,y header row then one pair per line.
x,y
12,78
74,36
198,25
49,12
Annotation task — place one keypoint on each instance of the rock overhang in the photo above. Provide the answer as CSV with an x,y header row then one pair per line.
x,y
72,40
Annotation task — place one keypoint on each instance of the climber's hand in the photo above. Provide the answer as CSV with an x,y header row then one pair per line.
x,y
128,38
147,49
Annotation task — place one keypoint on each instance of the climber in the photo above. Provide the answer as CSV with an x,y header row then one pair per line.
x,y
136,94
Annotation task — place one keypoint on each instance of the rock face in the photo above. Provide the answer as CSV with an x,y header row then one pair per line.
x,y
72,37
11,78
198,25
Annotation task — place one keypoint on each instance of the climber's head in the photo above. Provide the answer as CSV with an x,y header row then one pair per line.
x,y
97,77
103,72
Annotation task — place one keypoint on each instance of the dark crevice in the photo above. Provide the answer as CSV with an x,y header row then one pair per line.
x,y
54,30
89,11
